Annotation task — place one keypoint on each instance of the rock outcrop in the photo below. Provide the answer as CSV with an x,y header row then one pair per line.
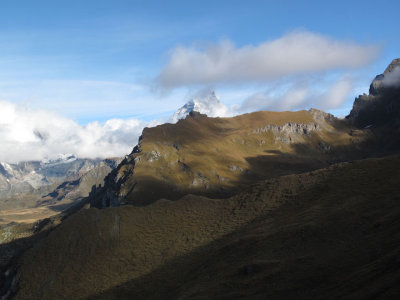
x,y
289,132
389,79
111,193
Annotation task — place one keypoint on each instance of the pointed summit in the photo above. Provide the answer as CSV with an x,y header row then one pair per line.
x,y
205,103
382,106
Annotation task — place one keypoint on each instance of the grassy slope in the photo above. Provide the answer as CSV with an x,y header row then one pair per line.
x,y
329,233
219,156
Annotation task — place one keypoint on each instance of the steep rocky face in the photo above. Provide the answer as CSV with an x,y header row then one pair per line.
x,y
219,156
389,79
382,106
110,193
74,190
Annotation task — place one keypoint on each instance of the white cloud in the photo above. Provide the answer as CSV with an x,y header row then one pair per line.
x,y
27,134
392,79
289,100
337,94
294,53
301,95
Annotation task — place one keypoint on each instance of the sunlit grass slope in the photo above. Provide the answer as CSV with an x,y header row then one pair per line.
x,y
218,157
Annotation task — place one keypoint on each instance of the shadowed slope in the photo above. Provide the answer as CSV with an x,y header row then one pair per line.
x,y
328,232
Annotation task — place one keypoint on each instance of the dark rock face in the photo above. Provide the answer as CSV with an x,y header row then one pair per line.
x,y
195,114
382,106
110,194
384,81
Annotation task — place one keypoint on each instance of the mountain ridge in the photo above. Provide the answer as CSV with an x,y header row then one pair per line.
x,y
315,136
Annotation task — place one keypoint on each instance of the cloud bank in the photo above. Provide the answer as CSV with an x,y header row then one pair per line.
x,y
27,134
301,95
294,53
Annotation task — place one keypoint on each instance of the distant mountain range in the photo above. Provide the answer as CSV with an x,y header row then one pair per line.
x,y
35,183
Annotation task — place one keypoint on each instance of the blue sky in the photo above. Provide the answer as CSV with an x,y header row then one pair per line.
x,y
97,60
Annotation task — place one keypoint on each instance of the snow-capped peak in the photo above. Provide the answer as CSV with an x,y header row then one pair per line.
x,y
205,103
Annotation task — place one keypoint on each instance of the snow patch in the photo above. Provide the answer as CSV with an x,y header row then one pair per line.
x,y
6,166
60,159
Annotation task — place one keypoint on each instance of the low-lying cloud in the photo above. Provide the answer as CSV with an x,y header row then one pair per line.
x,y
27,134
294,53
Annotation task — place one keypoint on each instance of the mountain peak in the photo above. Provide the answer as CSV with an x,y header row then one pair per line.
x,y
206,103
382,105
388,80
394,64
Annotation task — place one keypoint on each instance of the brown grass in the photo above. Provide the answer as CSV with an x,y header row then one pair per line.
x,y
25,215
331,233
217,157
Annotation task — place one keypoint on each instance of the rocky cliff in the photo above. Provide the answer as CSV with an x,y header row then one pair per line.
x,y
381,107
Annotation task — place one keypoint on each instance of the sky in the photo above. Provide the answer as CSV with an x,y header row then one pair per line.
x,y
87,76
